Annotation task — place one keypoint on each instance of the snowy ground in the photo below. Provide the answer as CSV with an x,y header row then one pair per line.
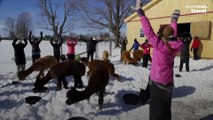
x,y
192,97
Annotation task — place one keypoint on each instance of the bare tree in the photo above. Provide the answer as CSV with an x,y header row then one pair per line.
x,y
107,14
24,24
10,26
51,16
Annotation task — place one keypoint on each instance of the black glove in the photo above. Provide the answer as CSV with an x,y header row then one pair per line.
x,y
140,12
41,33
30,32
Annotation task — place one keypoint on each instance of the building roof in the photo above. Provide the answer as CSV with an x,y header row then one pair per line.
x,y
146,7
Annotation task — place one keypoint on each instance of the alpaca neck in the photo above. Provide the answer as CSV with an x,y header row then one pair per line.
x,y
28,71
47,78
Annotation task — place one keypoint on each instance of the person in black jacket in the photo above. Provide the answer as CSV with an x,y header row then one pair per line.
x,y
56,47
35,46
91,46
123,43
19,44
184,57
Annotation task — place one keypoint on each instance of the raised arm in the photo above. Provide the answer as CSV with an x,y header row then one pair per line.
x,y
147,28
82,38
61,40
41,37
30,37
74,41
25,42
51,41
14,41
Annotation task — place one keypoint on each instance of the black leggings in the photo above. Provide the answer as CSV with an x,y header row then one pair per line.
x,y
35,57
160,103
146,58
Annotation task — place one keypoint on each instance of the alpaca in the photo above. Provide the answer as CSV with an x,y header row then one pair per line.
x,y
40,65
109,66
126,58
98,80
60,71
105,55
137,55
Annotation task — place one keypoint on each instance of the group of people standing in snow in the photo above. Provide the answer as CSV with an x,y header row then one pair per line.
x,y
19,43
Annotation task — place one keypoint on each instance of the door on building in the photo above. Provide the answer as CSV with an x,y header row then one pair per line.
x,y
183,27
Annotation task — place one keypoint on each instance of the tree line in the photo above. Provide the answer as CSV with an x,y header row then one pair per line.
x,y
107,15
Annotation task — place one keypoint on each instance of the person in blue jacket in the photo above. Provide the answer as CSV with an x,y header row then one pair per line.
x,y
135,45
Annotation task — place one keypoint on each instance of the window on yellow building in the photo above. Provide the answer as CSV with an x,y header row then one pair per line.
x,y
142,33
201,29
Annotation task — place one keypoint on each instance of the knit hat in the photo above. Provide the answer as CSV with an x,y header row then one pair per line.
x,y
166,31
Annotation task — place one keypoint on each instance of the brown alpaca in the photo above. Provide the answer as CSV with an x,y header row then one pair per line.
x,y
137,55
105,55
98,80
126,58
40,65
96,63
60,71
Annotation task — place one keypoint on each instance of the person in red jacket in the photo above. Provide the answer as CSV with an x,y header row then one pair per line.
x,y
71,43
146,53
195,46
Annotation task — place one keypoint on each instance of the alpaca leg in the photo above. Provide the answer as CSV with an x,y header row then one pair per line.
x,y
64,82
78,82
112,73
41,73
101,98
59,84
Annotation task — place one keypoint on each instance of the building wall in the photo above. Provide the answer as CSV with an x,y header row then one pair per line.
x,y
161,12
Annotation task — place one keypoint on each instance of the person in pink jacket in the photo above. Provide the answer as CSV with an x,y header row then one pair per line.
x,y
71,43
165,47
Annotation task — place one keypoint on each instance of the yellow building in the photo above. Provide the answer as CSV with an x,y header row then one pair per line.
x,y
196,17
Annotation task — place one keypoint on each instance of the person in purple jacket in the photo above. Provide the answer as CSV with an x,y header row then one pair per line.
x,y
165,47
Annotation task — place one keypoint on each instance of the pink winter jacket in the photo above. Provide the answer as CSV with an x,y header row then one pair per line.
x,y
163,57
71,46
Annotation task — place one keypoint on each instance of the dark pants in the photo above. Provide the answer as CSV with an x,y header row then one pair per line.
x,y
35,56
78,83
196,57
160,103
90,54
60,81
70,56
146,58
181,66
57,56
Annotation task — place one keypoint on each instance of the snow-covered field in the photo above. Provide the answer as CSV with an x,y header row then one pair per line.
x,y
192,97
